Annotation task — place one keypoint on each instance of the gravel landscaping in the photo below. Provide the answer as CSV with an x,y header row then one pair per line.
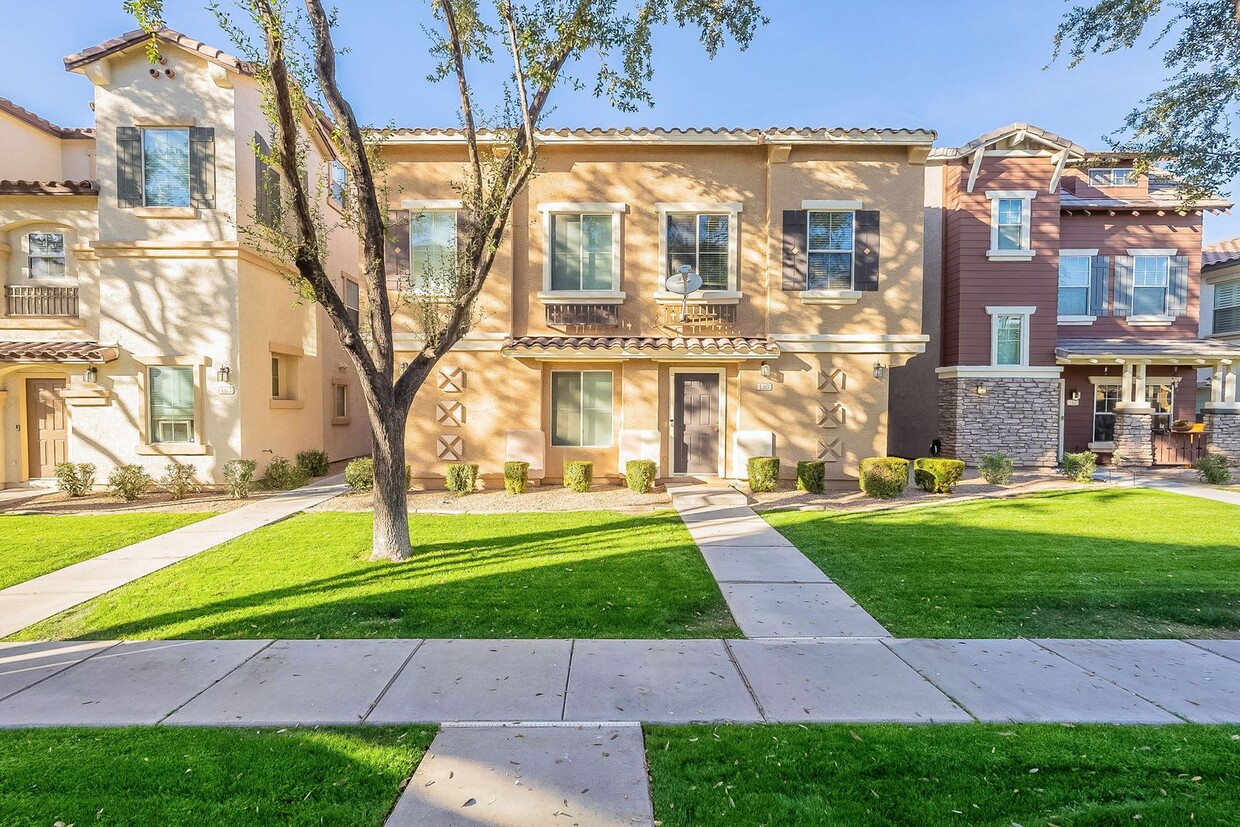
x,y
543,498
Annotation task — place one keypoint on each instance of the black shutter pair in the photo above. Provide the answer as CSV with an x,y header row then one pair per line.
x,y
865,250
129,174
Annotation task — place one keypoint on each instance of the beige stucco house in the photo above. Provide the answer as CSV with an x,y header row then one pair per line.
x,y
140,320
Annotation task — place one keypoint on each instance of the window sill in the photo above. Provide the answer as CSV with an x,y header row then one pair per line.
x,y
1150,321
342,420
1010,255
830,298
580,296
287,404
1102,447
173,449
1075,320
712,296
165,212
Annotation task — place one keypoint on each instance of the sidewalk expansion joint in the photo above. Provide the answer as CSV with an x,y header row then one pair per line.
x,y
1100,677
745,680
927,679
62,671
215,682
388,685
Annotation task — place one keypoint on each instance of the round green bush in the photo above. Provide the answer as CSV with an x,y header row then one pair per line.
x,y
1211,468
996,468
639,475
811,475
763,474
1081,465
461,478
937,475
359,474
283,475
314,462
516,477
883,478
578,475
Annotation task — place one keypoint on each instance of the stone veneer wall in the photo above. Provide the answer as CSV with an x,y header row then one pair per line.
x,y
1223,428
1018,416
1134,439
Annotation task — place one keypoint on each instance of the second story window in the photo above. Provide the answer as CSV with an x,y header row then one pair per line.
x,y
337,183
1151,276
1074,278
702,241
432,252
1227,307
1010,225
353,301
1112,177
583,252
47,255
165,167
829,245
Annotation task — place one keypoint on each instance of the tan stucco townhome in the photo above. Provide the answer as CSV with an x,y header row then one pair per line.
x,y
139,320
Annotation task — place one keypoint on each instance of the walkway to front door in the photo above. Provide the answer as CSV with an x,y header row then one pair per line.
x,y
47,431
696,437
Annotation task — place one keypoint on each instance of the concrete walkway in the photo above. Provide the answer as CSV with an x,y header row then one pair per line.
x,y
772,589
49,595
602,682
1205,492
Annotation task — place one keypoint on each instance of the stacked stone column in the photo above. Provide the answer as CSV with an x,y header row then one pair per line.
x,y
1134,441
1222,412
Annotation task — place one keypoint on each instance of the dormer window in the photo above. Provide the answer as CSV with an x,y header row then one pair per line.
x,y
1112,177
47,255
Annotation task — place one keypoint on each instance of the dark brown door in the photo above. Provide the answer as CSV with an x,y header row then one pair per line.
x,y
697,423
46,428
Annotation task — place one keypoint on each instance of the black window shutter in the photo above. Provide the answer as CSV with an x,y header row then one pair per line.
x,y
266,184
128,167
1123,286
865,240
1177,295
796,262
1099,285
202,167
396,250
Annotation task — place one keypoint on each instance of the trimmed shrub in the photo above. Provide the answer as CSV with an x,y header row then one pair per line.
x,y
359,474
239,477
75,479
763,474
1212,469
811,475
129,482
283,475
884,478
936,475
578,475
516,477
639,475
996,468
314,462
1081,465
180,479
461,478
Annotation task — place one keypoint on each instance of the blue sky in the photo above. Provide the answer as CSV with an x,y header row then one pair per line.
x,y
960,67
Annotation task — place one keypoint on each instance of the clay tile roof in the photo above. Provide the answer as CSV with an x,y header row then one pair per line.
x,y
172,36
57,352
26,116
84,187
1220,252
848,135
722,345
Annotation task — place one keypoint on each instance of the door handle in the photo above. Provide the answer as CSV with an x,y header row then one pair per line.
x,y
716,429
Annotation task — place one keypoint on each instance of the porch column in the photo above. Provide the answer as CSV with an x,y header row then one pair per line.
x,y
1125,393
1222,414
1134,420
1217,372
1138,388
1231,378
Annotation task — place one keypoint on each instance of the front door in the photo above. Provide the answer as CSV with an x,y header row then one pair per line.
x,y
696,438
46,426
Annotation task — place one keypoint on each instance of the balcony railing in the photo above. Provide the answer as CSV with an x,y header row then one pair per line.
x,y
700,318
29,300
583,315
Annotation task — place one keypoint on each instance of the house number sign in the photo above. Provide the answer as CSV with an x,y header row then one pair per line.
x,y
766,386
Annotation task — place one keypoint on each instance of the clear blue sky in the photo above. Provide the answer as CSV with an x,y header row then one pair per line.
x,y
960,67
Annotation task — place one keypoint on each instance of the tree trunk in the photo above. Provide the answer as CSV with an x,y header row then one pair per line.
x,y
391,505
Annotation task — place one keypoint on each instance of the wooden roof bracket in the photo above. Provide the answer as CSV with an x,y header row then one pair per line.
x,y
976,168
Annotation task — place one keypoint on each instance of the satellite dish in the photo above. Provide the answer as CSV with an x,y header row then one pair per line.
x,y
684,282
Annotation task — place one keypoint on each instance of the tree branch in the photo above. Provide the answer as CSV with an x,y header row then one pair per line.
x,y
467,108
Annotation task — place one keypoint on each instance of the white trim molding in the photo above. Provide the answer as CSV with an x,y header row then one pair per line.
x,y
1150,321
828,204
1090,253
830,298
578,296
999,372
1024,311
583,206
1026,251
552,209
912,343
1153,251
732,208
432,205
1075,320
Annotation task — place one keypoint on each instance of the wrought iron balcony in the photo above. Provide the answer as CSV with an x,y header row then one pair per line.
x,y
700,318
583,315
39,300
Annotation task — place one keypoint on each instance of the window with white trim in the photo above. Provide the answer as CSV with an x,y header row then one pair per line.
x,y
432,252
1009,335
1074,280
1106,397
1112,177
337,182
1151,278
702,241
829,246
1227,307
583,255
353,301
165,167
1010,224
581,408
47,255
171,403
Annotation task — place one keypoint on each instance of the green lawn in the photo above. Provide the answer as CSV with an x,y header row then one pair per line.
x,y
1104,563
963,774
32,545
584,574
170,776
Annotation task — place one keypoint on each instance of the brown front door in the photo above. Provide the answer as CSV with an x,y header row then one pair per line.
x,y
696,438
46,428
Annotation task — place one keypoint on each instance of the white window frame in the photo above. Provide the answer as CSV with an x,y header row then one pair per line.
x,y
1229,283
611,436
417,208
732,209
332,166
1116,381
613,296
1024,311
1087,317
1148,319
1026,252
28,270
189,166
192,424
352,308
1130,176
852,252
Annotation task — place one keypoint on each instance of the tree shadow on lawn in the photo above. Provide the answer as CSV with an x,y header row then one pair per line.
x,y
1003,570
625,577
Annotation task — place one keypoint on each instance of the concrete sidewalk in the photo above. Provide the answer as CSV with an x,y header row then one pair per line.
x,y
1205,492
772,589
43,597
324,682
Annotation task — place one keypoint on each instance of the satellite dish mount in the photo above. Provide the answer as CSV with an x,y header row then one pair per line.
x,y
683,282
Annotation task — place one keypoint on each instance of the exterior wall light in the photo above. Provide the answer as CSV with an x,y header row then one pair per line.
x,y
1076,396
766,370
221,375
879,370
981,389
91,375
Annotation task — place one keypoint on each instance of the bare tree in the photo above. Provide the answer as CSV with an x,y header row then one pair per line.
x,y
543,40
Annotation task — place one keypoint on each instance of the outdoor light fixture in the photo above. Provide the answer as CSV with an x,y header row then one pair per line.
x,y
766,370
91,375
1076,396
981,389
221,375
879,370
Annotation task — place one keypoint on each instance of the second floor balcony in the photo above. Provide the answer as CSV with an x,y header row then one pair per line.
x,y
40,301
